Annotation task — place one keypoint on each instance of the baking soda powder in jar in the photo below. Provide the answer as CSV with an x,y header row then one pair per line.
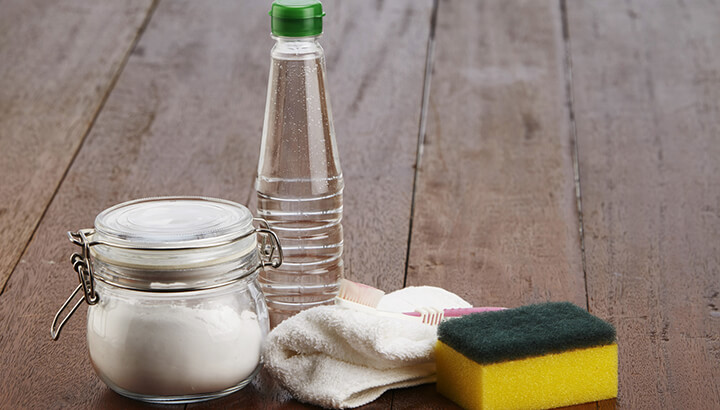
x,y
176,314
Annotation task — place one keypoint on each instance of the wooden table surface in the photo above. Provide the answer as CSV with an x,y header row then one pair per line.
x,y
510,151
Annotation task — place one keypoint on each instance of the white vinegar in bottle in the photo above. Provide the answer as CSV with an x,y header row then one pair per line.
x,y
299,182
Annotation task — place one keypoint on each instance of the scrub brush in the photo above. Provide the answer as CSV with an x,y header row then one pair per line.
x,y
363,297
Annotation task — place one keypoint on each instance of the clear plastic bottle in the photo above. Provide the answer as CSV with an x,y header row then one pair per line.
x,y
299,182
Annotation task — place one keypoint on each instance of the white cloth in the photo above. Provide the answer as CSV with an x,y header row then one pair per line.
x,y
338,357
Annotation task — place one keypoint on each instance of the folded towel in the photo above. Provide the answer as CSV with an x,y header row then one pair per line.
x,y
337,357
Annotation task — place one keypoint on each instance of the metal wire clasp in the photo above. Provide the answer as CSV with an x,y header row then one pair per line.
x,y
83,267
270,255
267,250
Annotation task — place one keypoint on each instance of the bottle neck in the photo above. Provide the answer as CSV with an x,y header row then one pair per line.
x,y
297,47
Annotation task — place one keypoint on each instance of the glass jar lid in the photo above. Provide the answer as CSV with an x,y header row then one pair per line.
x,y
174,243
172,222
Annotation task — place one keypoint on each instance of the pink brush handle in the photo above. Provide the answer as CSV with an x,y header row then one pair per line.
x,y
461,311
467,311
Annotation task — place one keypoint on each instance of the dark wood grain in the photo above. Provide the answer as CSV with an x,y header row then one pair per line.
x,y
646,91
495,218
607,404
185,119
58,60
376,59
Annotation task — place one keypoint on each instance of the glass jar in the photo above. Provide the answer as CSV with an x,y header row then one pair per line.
x,y
176,314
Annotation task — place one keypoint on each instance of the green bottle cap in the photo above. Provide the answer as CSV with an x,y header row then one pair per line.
x,y
296,18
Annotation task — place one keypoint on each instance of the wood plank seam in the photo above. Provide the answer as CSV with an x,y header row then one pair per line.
x,y
574,140
496,212
425,99
108,91
422,126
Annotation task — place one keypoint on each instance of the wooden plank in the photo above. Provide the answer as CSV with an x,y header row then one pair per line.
x,y
58,62
376,58
495,218
376,72
185,118
607,404
647,92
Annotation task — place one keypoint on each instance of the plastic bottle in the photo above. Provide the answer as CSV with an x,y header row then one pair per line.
x,y
299,182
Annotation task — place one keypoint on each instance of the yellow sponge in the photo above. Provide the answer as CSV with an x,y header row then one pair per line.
x,y
534,357
541,382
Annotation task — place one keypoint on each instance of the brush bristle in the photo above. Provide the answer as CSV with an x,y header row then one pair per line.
x,y
359,293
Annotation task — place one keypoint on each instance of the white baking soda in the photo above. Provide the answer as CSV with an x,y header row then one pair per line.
x,y
174,349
